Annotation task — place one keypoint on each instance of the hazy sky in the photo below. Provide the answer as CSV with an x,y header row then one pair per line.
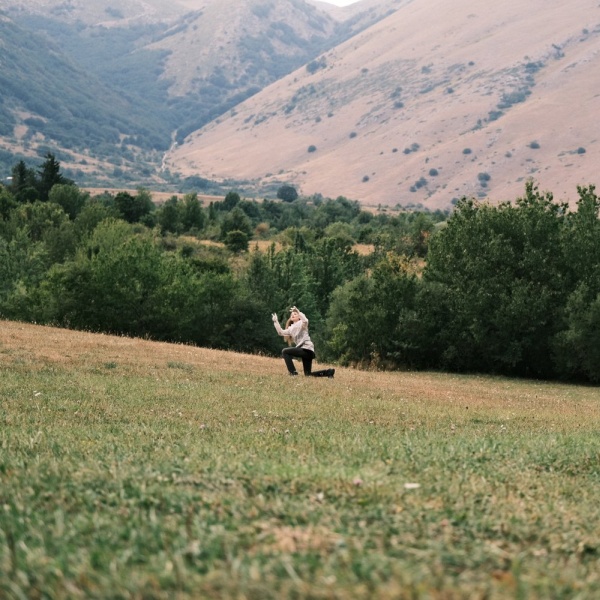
x,y
340,2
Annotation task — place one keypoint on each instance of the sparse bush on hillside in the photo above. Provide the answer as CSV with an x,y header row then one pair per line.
x,y
534,145
314,65
515,97
312,148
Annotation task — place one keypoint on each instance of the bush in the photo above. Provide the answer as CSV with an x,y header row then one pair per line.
x,y
236,241
315,65
312,148
287,193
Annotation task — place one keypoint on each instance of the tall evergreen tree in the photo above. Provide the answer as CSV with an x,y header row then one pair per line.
x,y
24,183
49,175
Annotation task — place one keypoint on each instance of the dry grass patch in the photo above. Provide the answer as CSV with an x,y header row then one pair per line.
x,y
134,468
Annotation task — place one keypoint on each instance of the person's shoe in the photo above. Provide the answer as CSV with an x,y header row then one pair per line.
x,y
330,373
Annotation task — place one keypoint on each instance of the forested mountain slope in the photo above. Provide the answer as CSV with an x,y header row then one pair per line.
x,y
164,69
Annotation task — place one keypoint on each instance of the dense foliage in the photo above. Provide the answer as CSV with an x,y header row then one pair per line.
x,y
512,289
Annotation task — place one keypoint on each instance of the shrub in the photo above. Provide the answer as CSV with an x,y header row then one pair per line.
x,y
467,151
287,193
236,241
534,145
312,148
433,172
580,150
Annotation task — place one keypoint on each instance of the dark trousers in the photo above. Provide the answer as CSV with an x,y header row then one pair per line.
x,y
307,357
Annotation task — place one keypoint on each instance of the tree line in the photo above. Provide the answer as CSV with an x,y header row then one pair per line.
x,y
512,289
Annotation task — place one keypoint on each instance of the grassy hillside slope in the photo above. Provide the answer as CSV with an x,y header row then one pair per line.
x,y
131,468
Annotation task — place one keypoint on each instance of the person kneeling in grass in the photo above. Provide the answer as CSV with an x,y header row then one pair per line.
x,y
296,332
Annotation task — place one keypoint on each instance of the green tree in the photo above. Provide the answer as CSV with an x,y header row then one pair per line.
x,y
134,209
236,220
193,217
39,219
69,197
577,346
111,284
367,316
287,193
232,199
94,212
50,175
499,275
7,204
169,217
236,241
24,183
23,265
282,279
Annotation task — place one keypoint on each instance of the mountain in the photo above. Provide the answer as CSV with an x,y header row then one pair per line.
x,y
435,101
166,68
391,102
50,103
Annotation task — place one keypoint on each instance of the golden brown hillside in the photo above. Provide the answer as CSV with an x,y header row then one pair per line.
x,y
436,101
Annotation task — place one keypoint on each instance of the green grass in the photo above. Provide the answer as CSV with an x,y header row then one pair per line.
x,y
131,469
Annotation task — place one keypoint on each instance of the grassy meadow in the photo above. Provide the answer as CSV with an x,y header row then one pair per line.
x,y
135,469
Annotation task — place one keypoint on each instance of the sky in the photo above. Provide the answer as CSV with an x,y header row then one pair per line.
x,y
340,2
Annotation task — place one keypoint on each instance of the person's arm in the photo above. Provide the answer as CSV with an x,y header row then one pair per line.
x,y
278,328
303,318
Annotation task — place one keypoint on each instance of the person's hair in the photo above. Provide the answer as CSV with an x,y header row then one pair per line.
x,y
288,338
